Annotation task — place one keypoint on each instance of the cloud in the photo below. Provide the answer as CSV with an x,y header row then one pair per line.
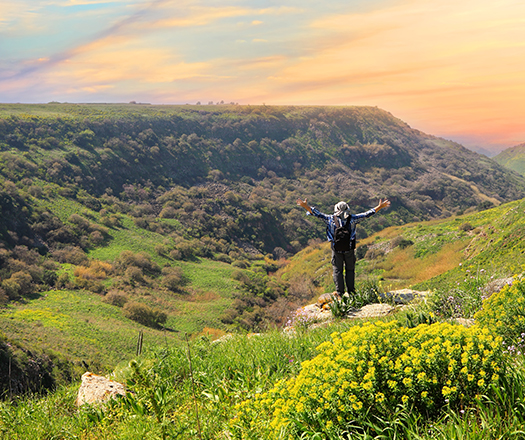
x,y
196,15
444,65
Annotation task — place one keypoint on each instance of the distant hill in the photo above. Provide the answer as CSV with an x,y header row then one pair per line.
x,y
513,158
208,165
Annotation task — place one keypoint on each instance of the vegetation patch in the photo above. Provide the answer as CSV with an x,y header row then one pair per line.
x,y
370,371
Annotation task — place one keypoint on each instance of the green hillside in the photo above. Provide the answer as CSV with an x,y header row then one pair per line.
x,y
513,158
175,219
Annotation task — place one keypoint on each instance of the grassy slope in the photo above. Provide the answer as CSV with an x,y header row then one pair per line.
x,y
440,253
513,158
81,326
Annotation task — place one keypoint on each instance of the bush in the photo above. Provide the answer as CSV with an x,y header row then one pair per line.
x,y
3,297
11,288
504,312
135,275
71,255
50,277
371,370
173,278
144,315
465,227
116,298
63,279
141,260
223,257
24,280
401,242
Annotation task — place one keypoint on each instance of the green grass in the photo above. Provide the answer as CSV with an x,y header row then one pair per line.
x,y
78,325
225,374
81,326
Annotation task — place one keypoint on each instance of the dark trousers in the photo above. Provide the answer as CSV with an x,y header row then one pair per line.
x,y
344,261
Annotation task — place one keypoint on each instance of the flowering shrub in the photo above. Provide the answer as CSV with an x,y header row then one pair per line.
x,y
301,320
517,348
504,311
371,369
465,298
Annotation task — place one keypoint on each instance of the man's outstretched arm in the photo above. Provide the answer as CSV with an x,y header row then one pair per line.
x,y
304,204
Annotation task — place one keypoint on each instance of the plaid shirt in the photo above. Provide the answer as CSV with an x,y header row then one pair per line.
x,y
351,224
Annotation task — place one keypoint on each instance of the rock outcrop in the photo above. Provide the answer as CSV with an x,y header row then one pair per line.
x,y
319,313
98,389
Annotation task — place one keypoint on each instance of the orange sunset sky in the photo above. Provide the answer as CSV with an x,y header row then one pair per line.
x,y
454,69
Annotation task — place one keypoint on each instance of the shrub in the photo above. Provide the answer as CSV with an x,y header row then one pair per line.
x,y
172,282
79,221
372,254
361,251
175,254
401,242
11,288
243,264
111,221
141,260
223,257
96,237
144,315
161,249
135,274
168,212
465,227
35,191
116,298
464,299
371,370
3,297
504,312
71,255
24,281
63,279
50,277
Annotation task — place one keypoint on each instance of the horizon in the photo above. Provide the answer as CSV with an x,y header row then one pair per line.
x,y
452,69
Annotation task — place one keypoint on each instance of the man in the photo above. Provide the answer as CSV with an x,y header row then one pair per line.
x,y
340,231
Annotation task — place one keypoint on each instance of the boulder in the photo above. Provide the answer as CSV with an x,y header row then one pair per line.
x,y
98,389
371,311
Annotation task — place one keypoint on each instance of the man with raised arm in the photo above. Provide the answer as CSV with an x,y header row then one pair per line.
x,y
340,232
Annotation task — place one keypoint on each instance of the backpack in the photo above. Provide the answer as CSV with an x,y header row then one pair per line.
x,y
342,242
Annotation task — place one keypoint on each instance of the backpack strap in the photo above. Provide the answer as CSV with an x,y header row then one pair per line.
x,y
338,222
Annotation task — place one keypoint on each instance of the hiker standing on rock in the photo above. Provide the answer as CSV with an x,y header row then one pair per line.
x,y
340,232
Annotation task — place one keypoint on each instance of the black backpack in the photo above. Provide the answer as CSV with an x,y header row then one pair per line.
x,y
342,241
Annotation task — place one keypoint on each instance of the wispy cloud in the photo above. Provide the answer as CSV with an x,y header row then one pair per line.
x,y
440,64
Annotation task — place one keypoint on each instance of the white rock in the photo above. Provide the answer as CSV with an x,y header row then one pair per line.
x,y
98,389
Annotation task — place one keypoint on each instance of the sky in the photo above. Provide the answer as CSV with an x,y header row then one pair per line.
x,y
451,68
